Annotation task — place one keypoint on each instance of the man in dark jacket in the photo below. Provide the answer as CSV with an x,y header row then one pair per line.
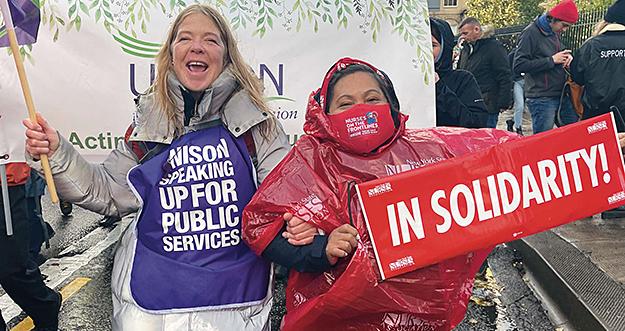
x,y
599,66
487,59
19,274
542,57
458,98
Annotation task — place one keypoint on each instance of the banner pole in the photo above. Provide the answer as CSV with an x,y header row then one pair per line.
x,y
5,200
19,64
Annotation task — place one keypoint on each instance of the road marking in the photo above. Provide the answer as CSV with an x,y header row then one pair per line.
x,y
74,286
60,269
69,290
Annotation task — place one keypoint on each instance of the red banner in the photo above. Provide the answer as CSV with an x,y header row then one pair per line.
x,y
509,191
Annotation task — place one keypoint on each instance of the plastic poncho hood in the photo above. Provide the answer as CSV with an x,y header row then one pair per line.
x,y
315,182
317,123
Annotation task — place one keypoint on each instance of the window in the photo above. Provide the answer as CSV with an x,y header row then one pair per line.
x,y
450,3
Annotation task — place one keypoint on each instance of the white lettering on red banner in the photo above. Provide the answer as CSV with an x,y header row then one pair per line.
x,y
524,187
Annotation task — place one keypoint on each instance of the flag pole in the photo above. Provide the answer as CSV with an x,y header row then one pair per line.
x,y
5,200
19,64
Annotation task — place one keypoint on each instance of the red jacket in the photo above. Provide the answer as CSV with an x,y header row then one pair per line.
x,y
312,183
17,173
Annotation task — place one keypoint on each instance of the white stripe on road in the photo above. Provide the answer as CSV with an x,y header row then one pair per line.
x,y
60,269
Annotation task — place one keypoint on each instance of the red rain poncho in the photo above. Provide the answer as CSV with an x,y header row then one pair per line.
x,y
313,180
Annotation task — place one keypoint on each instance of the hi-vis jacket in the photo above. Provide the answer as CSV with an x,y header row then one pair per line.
x,y
104,189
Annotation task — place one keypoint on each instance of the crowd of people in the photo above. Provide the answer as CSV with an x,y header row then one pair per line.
x,y
199,251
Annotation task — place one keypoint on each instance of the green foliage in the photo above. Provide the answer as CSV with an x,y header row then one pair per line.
x,y
582,5
266,15
406,18
24,52
500,13
529,10
240,13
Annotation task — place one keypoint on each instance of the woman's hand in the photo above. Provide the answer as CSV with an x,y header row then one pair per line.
x,y
341,243
41,138
298,232
621,140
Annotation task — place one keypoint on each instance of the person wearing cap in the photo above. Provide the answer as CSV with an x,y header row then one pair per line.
x,y
600,58
543,58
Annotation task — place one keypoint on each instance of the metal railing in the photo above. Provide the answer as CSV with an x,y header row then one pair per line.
x,y
573,38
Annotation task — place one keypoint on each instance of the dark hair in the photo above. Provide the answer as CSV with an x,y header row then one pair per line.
x,y
469,20
552,19
384,82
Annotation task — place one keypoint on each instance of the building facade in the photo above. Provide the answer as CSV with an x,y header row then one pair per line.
x,y
453,11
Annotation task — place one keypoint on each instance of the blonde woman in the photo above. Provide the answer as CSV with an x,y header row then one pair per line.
x,y
201,141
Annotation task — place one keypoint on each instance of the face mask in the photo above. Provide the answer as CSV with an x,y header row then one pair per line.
x,y
363,128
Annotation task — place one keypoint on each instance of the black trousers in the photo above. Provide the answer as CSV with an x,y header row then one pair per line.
x,y
19,275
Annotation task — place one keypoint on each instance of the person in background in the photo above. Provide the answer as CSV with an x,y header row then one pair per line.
x,y
203,128
40,230
541,56
65,207
599,66
19,274
598,60
516,123
486,58
458,98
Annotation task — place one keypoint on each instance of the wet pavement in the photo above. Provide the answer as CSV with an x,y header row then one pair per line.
x,y
83,251
601,240
503,301
79,252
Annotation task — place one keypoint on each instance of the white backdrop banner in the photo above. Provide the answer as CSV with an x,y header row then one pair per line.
x,y
93,57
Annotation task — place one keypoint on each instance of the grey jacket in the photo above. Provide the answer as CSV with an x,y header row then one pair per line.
x,y
103,188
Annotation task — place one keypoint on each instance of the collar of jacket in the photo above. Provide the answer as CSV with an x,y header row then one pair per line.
x,y
612,27
488,34
222,100
543,25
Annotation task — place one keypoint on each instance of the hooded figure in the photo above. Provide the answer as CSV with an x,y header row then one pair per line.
x,y
458,98
316,181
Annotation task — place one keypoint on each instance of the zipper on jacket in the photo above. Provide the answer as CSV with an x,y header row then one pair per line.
x,y
195,113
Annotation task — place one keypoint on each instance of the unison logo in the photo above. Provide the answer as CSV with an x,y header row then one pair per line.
x,y
137,47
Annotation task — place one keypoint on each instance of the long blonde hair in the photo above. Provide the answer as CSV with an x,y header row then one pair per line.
x,y
241,71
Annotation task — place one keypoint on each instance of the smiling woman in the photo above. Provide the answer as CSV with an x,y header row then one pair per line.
x,y
201,141
355,132
198,52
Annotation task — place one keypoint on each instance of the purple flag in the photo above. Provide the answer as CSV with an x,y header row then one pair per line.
x,y
26,18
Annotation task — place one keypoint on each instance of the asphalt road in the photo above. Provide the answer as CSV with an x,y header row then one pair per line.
x,y
80,260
